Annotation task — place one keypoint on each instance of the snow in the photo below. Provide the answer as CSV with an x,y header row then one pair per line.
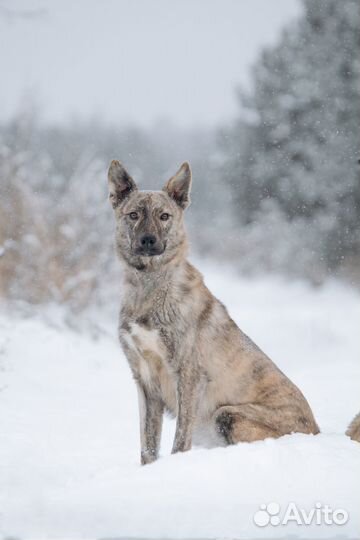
x,y
69,452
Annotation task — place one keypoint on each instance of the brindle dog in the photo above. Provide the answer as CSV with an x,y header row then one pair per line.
x,y
186,354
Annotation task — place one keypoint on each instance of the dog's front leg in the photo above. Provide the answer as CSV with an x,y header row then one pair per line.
x,y
151,411
187,401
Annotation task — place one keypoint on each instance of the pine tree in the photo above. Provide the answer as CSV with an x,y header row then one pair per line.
x,y
302,141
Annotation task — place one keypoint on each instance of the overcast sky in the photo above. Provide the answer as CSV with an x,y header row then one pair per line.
x,y
134,61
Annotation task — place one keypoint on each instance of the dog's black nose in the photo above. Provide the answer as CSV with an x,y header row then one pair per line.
x,y
148,241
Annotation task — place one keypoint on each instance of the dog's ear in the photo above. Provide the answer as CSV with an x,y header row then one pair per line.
x,y
179,185
120,183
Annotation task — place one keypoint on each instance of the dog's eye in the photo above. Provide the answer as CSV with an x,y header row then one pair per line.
x,y
133,215
164,216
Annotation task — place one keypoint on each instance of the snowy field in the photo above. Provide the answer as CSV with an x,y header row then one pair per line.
x,y
69,442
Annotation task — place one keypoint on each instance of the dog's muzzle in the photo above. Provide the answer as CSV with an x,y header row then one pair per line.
x,y
149,246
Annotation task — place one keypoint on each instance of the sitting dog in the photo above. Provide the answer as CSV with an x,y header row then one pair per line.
x,y
185,352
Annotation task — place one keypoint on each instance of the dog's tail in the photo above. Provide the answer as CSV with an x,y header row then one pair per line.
x,y
353,431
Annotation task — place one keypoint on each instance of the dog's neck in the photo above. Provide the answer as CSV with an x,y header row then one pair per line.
x,y
151,279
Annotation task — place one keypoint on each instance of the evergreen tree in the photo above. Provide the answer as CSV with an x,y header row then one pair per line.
x,y
301,128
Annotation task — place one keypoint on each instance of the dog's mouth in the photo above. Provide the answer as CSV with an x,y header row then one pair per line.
x,y
149,251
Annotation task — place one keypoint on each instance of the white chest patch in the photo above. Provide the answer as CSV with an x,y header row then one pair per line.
x,y
146,340
151,362
150,351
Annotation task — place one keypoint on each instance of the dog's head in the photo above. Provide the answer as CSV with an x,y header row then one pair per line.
x,y
149,224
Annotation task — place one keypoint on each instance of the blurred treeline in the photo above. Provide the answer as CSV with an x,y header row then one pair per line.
x,y
277,191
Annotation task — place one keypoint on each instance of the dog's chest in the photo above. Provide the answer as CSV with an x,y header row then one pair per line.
x,y
149,360
145,341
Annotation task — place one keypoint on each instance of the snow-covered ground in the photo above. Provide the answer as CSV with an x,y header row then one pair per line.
x,y
69,448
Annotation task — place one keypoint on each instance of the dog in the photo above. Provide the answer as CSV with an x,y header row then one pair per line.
x,y
353,431
186,354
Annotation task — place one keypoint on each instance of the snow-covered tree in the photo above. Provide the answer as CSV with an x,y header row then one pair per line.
x,y
298,138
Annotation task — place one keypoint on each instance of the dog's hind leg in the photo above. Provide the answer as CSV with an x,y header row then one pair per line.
x,y
254,422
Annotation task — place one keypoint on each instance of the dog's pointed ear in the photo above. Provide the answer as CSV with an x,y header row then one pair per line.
x,y
179,185
120,183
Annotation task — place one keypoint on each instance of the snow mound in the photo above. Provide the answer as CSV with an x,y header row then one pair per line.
x,y
69,452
